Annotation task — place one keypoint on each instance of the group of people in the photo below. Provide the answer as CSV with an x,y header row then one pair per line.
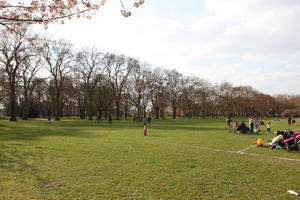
x,y
288,140
240,127
98,119
140,119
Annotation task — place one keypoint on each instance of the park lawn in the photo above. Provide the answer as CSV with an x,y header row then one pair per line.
x,y
179,159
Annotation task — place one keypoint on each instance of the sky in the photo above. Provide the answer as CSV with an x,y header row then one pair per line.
x,y
245,42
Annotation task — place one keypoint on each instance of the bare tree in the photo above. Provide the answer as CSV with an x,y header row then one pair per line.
x,y
118,70
13,53
173,89
28,73
89,65
187,95
158,88
138,84
81,94
58,56
104,98
41,96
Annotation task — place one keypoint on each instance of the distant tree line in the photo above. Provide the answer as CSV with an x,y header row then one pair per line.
x,y
90,82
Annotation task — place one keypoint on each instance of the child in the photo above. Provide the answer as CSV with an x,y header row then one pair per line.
x,y
257,128
268,127
294,122
228,121
236,124
49,120
145,129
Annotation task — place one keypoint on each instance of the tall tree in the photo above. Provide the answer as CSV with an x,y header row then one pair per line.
x,y
58,56
118,70
13,53
173,89
89,65
28,73
158,87
138,84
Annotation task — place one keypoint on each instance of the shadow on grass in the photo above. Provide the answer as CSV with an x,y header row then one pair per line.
x,y
36,129
29,130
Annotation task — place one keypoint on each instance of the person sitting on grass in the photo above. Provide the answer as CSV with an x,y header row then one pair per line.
x,y
277,141
243,128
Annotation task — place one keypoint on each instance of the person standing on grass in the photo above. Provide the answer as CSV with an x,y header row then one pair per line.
x,y
228,121
49,120
236,124
293,122
289,120
257,128
268,127
145,129
251,125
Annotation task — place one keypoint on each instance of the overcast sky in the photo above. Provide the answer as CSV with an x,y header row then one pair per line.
x,y
245,42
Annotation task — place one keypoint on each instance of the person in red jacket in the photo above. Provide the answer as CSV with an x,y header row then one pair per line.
x,y
145,129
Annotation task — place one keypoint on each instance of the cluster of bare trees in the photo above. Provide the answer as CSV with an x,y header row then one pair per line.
x,y
88,83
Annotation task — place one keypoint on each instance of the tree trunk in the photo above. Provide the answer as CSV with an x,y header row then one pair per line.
x,y
25,110
174,111
100,114
13,114
117,110
82,113
138,109
57,111
145,112
90,113
90,107
156,112
161,113
126,110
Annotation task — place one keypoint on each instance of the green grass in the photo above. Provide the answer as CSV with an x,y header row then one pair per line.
x,y
75,159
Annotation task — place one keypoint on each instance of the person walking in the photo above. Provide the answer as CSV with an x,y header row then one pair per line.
x,y
145,129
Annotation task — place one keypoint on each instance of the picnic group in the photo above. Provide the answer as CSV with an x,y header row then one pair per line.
x,y
287,139
241,127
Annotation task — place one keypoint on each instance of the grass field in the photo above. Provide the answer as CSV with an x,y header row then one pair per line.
x,y
179,159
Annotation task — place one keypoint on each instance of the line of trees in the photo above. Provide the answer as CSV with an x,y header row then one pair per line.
x,y
89,82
